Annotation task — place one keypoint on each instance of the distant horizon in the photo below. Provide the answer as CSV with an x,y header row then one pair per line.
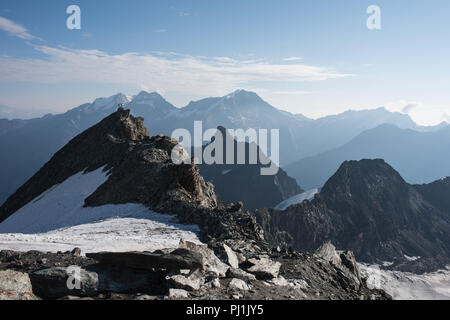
x,y
131,97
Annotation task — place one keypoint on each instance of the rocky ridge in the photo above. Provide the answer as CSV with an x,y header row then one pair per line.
x,y
236,261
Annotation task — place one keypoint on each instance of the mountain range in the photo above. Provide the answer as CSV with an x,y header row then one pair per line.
x,y
419,156
27,144
114,179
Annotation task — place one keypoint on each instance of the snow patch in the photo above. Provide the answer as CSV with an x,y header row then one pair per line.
x,y
411,258
56,220
307,195
409,286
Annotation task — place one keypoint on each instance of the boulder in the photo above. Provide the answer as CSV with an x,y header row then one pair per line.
x,y
15,286
348,274
231,256
240,274
57,282
190,283
76,252
178,294
264,268
344,260
210,262
328,253
238,284
176,260
280,281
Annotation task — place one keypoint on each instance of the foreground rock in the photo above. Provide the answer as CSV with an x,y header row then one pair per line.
x,y
53,283
177,259
15,286
264,268
210,262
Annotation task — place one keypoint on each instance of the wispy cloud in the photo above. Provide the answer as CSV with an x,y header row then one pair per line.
x,y
184,14
293,59
421,113
409,107
172,71
160,30
15,29
293,93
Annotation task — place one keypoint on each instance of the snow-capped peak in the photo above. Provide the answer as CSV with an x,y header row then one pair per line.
x,y
149,98
110,102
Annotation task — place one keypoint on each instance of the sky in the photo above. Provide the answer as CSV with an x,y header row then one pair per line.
x,y
311,57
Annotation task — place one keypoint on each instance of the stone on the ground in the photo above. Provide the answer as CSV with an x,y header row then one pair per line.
x,y
238,284
240,274
57,282
178,294
190,283
178,259
209,260
328,253
264,268
15,286
280,281
76,252
231,256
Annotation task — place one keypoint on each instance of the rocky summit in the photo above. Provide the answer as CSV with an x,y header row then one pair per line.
x,y
235,261
368,208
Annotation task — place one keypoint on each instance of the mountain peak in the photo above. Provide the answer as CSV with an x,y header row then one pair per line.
x,y
103,144
145,94
364,178
241,94
110,102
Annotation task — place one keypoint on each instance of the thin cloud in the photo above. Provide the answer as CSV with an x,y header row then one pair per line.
x,y
177,73
15,30
294,93
293,59
160,30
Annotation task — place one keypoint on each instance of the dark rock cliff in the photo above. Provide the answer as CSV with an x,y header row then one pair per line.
x,y
368,208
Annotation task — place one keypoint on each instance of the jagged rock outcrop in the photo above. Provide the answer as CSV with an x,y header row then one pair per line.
x,y
141,168
368,208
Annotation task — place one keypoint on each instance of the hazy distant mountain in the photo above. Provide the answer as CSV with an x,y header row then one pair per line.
x,y
15,113
418,156
26,145
244,182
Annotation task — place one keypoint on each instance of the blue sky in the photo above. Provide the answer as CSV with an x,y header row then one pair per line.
x,y
311,57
